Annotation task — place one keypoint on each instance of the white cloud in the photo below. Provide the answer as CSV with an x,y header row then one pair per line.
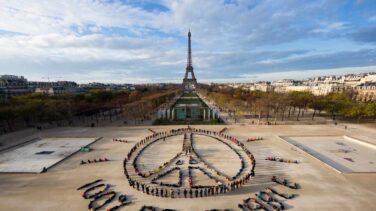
x,y
269,61
331,27
99,38
39,17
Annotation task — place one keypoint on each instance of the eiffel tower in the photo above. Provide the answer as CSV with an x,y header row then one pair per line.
x,y
189,84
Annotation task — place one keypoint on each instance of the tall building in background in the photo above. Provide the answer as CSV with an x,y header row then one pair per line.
x,y
11,85
189,83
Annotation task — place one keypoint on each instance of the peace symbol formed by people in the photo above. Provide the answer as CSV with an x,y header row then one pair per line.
x,y
185,162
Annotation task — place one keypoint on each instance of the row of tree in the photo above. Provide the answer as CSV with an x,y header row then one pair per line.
x,y
281,105
33,109
146,107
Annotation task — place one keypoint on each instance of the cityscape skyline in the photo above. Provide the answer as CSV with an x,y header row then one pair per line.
x,y
145,42
302,79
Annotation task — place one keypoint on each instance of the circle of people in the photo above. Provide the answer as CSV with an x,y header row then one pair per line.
x,y
174,190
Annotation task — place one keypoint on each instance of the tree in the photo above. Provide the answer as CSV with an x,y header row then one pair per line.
x,y
30,110
261,106
336,102
300,100
236,106
370,110
284,104
317,104
356,110
275,103
7,114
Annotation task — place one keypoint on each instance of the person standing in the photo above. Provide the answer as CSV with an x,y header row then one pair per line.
x,y
178,193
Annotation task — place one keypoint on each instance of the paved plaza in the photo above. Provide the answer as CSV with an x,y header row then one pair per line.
x,y
37,154
322,188
343,154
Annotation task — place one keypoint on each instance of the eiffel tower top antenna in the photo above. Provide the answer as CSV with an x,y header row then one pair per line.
x,y
189,58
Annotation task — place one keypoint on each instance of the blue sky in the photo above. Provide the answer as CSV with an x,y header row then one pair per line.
x,y
142,41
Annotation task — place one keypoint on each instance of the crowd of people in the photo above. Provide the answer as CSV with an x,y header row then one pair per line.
x,y
281,160
94,161
103,188
237,142
268,198
157,170
223,130
283,195
207,165
193,191
198,191
265,199
255,139
205,173
123,200
148,141
260,202
187,145
240,144
285,182
251,203
92,203
178,184
218,210
102,192
151,130
120,140
241,160
152,208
